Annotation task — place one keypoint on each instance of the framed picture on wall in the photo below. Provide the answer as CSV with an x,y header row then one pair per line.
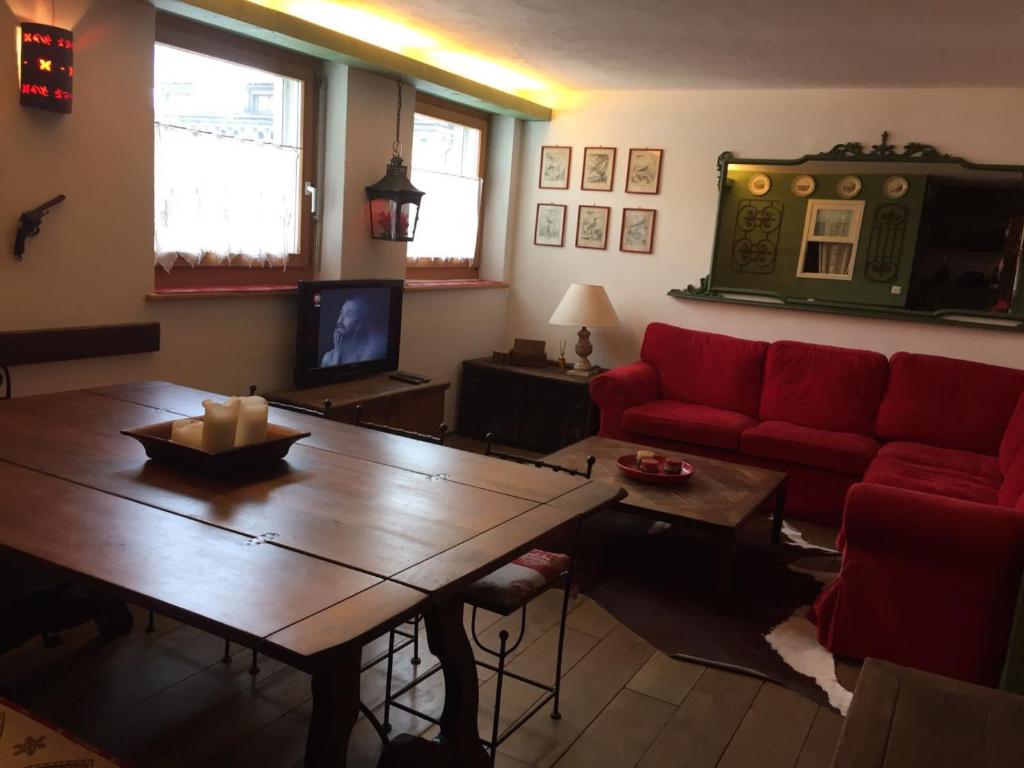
x,y
554,167
637,235
592,226
643,173
598,169
549,228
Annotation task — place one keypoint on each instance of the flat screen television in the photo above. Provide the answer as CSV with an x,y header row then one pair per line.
x,y
347,329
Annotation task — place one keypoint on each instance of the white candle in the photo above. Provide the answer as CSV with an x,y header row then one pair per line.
x,y
219,425
252,421
188,432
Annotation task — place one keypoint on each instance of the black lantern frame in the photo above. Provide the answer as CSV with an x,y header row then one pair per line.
x,y
394,203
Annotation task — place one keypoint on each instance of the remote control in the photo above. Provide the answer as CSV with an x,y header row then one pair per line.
x,y
409,378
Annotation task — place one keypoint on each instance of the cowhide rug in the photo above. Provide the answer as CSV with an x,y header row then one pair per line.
x,y
658,581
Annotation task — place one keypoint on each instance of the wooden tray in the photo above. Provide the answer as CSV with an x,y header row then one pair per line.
x,y
627,466
156,439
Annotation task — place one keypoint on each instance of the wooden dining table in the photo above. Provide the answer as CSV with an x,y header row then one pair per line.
x,y
355,532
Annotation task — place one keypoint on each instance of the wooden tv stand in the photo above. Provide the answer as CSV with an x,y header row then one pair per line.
x,y
416,407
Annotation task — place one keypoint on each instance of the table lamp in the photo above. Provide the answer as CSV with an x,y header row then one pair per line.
x,y
585,305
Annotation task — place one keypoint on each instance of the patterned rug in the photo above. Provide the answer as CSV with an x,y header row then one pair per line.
x,y
28,742
658,581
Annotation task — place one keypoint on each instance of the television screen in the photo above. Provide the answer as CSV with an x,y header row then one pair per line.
x,y
347,328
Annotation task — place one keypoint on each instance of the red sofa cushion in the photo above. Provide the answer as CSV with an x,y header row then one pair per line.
x,y
838,451
706,368
948,403
940,481
1012,445
823,387
686,422
986,468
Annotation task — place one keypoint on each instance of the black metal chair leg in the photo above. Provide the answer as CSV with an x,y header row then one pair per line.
x,y
382,733
503,638
387,683
151,624
227,652
254,669
555,714
416,640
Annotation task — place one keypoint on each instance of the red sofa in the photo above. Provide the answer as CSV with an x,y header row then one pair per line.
x,y
919,458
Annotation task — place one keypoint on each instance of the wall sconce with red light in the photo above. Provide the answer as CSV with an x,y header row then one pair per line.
x,y
394,201
47,67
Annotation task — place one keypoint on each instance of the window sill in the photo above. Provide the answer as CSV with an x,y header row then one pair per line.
x,y
452,285
220,292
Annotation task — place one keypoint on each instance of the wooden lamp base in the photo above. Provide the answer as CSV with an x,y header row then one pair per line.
x,y
584,349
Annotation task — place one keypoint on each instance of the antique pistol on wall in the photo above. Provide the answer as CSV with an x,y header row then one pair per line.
x,y
28,224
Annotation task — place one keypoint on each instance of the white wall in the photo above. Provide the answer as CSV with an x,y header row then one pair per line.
x,y
693,127
93,262
440,329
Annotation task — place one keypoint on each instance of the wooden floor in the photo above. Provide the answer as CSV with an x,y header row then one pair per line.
x,y
165,699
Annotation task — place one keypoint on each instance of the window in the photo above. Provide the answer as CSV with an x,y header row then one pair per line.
x,y
831,231
234,147
448,153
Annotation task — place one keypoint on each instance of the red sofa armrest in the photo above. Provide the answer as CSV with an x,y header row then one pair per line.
x,y
620,388
624,387
919,525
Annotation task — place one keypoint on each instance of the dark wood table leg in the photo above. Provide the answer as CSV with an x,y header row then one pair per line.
x,y
777,515
726,557
335,710
458,744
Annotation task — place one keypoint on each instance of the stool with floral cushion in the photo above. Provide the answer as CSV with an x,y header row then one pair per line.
x,y
509,589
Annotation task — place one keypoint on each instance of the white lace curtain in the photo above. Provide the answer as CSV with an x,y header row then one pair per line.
x,y
449,217
834,258
224,199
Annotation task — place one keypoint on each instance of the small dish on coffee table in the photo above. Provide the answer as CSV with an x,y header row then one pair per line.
x,y
627,466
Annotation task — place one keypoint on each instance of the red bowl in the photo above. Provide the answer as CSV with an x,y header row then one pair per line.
x,y
628,467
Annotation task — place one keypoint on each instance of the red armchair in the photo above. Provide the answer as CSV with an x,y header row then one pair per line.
x,y
927,581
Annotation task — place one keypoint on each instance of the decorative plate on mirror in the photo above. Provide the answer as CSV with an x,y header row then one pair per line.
x,y
848,187
895,187
759,184
803,186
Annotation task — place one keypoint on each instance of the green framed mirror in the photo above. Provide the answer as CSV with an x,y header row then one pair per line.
x,y
911,234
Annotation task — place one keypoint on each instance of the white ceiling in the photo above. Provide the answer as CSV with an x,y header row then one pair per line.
x,y
615,44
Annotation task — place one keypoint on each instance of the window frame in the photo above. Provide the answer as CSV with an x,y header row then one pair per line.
x,y
440,269
198,38
856,207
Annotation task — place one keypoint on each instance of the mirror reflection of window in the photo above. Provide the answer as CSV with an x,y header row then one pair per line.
x,y
833,223
831,232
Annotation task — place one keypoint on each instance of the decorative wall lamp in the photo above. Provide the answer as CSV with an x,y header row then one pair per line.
x,y
394,201
47,67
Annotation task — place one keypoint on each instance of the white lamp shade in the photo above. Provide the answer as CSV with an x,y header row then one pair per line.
x,y
585,305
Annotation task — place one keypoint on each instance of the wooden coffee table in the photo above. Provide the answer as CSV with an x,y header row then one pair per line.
x,y
720,498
